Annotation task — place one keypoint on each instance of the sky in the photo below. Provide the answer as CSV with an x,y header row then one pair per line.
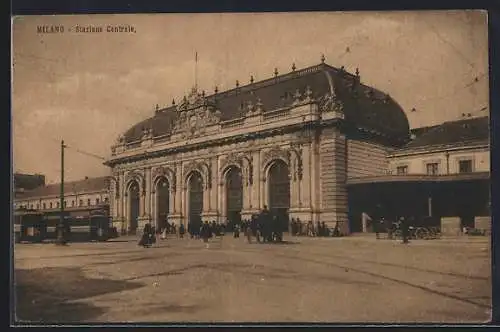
x,y
88,88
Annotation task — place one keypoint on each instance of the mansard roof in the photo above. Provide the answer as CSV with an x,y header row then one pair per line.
x,y
364,107
82,186
463,131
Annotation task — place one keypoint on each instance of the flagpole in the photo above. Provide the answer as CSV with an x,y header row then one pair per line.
x,y
196,70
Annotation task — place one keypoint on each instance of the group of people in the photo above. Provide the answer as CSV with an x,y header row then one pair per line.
x,y
391,227
298,228
264,226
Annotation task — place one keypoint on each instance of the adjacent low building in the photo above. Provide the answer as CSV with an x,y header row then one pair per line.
x,y
443,172
80,197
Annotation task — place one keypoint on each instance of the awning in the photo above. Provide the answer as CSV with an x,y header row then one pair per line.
x,y
391,178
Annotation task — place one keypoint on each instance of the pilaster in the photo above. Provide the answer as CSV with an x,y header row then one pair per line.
x,y
333,179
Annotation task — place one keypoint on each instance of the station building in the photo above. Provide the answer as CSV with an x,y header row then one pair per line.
x,y
290,142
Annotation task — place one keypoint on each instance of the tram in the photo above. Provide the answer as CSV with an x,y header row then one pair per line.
x,y
33,226
28,226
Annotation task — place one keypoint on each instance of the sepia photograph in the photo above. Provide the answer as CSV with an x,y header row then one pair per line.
x,y
281,168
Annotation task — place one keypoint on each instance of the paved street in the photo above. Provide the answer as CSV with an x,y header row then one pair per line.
x,y
354,279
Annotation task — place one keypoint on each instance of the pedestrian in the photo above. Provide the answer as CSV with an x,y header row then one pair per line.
x,y
181,230
145,240
404,229
236,231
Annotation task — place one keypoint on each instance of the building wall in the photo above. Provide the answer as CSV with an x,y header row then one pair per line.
x,y
417,162
37,202
366,159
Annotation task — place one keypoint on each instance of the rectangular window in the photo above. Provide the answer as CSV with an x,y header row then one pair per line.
x,y
72,203
88,202
432,168
402,170
105,200
65,204
465,166
80,203
44,206
97,201
57,204
37,206
50,205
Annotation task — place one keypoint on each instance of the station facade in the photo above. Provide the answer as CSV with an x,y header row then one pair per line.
x,y
288,143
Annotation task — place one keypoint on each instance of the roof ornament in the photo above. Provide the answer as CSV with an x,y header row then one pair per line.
x,y
323,58
413,109
216,90
275,72
203,93
387,98
157,108
308,94
293,66
173,102
297,96
357,72
259,107
237,83
251,79
250,106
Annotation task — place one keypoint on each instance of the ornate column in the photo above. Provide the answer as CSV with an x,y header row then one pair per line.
x,y
175,198
147,198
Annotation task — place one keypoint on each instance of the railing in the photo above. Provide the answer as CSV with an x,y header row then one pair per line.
x,y
133,145
161,139
233,123
279,113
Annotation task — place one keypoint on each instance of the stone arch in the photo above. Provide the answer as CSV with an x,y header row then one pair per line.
x,y
133,197
202,168
270,157
167,173
135,176
194,196
162,197
279,190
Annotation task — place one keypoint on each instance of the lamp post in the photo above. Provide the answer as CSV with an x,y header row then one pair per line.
x,y
61,240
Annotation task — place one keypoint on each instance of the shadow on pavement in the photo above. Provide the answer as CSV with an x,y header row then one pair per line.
x,y
45,295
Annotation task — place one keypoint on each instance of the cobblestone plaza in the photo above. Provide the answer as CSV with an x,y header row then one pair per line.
x,y
352,279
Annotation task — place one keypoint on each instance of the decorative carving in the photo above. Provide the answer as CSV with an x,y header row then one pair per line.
x,y
134,175
249,168
147,133
308,95
276,153
298,166
231,159
195,113
120,140
117,189
330,103
297,97
203,168
259,106
168,173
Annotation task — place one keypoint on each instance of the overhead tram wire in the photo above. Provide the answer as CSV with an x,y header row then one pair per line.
x,y
73,148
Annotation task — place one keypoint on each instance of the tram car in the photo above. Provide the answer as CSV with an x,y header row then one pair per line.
x,y
92,227
29,226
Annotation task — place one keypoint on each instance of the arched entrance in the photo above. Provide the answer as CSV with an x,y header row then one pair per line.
x,y
279,191
195,198
234,195
162,202
134,203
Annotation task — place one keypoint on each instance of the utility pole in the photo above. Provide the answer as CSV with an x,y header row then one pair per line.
x,y
61,240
